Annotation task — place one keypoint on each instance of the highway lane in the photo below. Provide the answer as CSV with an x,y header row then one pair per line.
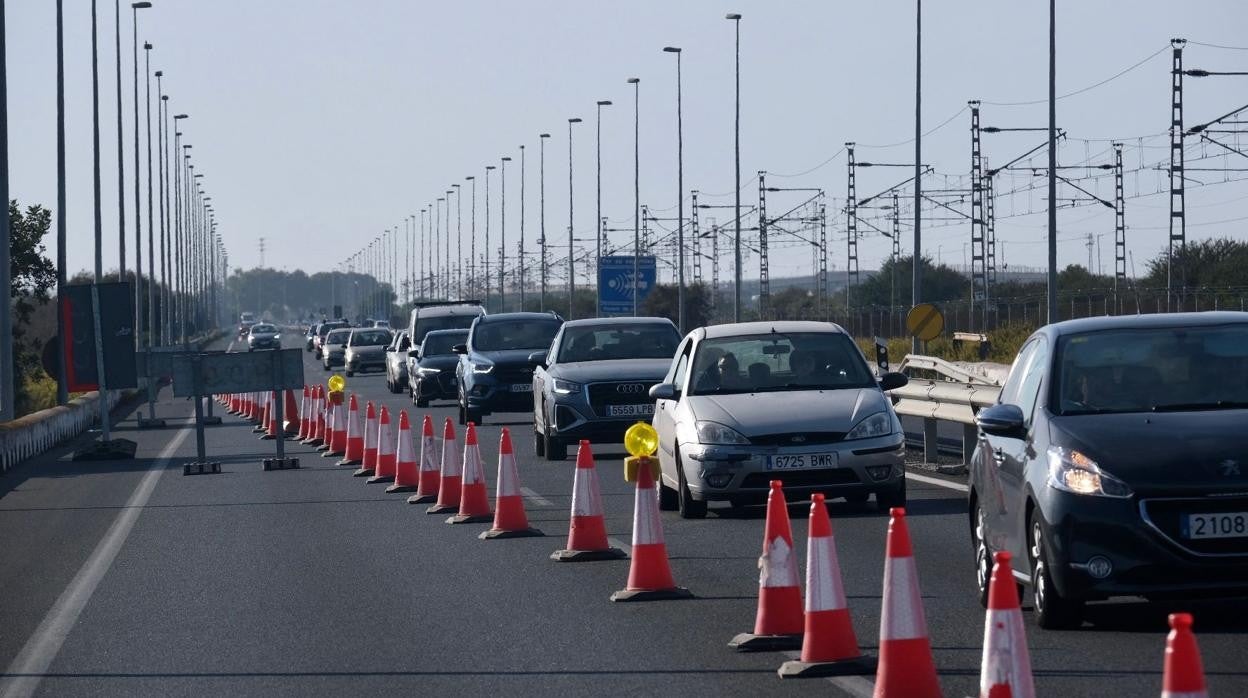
x,y
312,581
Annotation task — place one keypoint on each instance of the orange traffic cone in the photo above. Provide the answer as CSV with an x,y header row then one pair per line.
x,y
452,474
338,437
303,415
587,534
385,449
406,476
291,414
235,403
649,575
316,419
510,521
262,413
354,454
906,667
474,499
430,477
252,407
270,416
1005,669
327,441
1184,675
368,465
829,646
778,625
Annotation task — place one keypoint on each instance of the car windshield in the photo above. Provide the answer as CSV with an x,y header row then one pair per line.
x,y
329,327
440,344
1165,369
425,325
616,341
370,338
514,334
778,362
263,329
337,337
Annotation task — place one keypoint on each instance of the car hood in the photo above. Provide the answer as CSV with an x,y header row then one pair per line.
x,y
506,357
442,362
617,370
367,351
262,335
758,414
1170,452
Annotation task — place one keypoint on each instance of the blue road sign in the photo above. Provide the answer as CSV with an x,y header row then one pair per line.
x,y
615,283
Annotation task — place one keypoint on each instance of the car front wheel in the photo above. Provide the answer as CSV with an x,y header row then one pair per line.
x,y
983,558
539,444
1053,611
895,497
689,507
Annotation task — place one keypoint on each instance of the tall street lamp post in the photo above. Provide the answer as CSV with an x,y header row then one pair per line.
x,y
571,256
636,83
736,149
502,237
138,219
541,246
485,262
472,236
680,200
598,255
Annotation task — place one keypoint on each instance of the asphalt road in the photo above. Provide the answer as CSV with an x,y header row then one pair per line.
x,y
130,578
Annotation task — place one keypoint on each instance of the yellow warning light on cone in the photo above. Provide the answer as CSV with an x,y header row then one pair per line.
x,y
641,441
336,383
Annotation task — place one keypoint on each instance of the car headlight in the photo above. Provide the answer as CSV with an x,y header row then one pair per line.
x,y
277,336
877,424
1072,471
716,433
563,387
482,368
427,371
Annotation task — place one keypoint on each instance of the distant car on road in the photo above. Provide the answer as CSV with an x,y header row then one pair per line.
x,y
333,347
441,315
381,324
744,404
594,382
310,336
319,342
396,362
434,377
263,336
494,373
366,349
1116,463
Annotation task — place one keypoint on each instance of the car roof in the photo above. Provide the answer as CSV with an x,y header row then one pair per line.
x,y
734,329
503,317
1150,321
595,322
450,309
439,333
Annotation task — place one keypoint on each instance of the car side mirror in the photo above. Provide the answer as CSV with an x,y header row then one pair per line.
x,y
1001,420
460,349
413,354
663,391
893,380
538,358
389,349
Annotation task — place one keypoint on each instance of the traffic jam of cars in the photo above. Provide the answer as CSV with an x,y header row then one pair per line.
x,y
1115,462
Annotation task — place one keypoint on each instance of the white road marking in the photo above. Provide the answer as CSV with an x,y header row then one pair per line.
x,y
28,668
620,544
856,686
938,482
536,498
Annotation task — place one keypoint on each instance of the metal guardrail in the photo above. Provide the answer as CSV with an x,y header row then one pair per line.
x,y
950,395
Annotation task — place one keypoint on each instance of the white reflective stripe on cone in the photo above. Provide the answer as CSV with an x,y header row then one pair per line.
x,y
586,500
902,618
1184,694
427,445
405,446
1005,661
385,441
647,528
777,567
473,472
451,467
370,434
508,478
823,576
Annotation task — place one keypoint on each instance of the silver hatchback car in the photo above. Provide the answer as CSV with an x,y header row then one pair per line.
x,y
744,404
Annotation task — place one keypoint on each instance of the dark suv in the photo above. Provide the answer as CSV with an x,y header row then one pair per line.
x,y
1116,463
434,367
494,373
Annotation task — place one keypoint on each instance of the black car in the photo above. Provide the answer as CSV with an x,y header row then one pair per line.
x,y
1116,463
494,372
435,362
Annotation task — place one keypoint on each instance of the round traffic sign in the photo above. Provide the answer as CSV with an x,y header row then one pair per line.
x,y
925,321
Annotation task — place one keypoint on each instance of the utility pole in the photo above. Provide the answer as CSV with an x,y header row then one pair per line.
x,y
1178,196
520,248
696,232
6,309
979,257
541,243
824,299
896,255
851,228
916,259
764,281
1120,228
1052,278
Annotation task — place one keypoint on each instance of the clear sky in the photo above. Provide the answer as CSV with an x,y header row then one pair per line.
x,y
320,124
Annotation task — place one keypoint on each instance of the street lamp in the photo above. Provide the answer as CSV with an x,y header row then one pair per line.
x,y
571,258
502,242
541,140
736,243
680,200
598,255
459,243
485,261
151,233
472,246
636,83
138,220
520,248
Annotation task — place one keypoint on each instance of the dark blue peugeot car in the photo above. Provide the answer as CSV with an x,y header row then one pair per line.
x,y
1116,463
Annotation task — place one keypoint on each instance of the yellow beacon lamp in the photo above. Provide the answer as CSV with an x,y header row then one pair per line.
x,y
641,441
336,383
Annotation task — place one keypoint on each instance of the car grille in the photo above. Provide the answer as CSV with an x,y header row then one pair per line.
x,y
802,478
798,438
513,374
1166,516
620,393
